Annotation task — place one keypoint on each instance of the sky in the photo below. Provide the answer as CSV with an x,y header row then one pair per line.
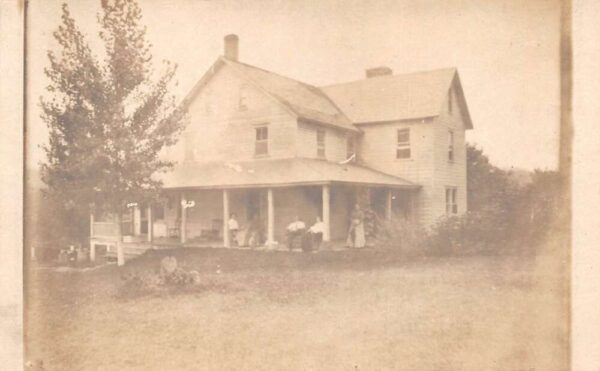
x,y
506,52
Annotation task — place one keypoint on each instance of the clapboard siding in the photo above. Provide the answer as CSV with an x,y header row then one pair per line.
x,y
450,173
219,131
377,149
306,142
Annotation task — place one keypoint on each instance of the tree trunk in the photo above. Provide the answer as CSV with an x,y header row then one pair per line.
x,y
120,254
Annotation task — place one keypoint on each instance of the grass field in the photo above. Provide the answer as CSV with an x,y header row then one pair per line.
x,y
353,310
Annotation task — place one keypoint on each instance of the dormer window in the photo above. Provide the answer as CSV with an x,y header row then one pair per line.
x,y
261,145
320,143
243,101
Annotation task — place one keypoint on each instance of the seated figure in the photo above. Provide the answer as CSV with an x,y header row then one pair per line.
x,y
295,233
316,233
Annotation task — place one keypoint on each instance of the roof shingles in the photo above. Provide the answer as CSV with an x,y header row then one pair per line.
x,y
307,101
276,172
393,97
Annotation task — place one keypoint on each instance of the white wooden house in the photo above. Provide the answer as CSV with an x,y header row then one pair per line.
x,y
265,146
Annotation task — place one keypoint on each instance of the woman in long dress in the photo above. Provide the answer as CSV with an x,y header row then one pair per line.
x,y
356,234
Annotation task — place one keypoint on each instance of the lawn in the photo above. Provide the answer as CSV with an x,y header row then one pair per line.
x,y
353,310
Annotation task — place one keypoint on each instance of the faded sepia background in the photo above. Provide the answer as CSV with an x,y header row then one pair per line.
x,y
506,52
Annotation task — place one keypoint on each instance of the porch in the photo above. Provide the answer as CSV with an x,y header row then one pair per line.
x,y
266,198
198,217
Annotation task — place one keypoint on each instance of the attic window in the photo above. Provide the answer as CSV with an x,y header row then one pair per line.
x,y
450,145
189,147
450,101
243,102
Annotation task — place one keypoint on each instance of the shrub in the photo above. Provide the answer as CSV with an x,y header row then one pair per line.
x,y
169,277
400,234
471,232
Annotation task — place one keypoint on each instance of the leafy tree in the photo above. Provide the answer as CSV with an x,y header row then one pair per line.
x,y
487,185
540,205
502,214
108,117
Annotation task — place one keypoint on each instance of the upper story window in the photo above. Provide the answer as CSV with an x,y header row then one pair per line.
x,y
403,143
350,147
451,206
189,147
321,143
261,144
450,101
450,145
243,99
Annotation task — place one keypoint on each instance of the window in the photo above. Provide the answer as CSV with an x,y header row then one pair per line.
x,y
350,147
189,143
451,206
403,146
450,101
450,145
261,145
321,143
243,102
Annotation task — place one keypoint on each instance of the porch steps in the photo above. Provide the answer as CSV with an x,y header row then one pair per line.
x,y
129,250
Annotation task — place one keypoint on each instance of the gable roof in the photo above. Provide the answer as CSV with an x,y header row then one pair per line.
x,y
303,100
274,173
377,99
398,97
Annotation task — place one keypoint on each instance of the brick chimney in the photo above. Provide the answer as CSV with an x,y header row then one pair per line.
x,y
231,47
378,71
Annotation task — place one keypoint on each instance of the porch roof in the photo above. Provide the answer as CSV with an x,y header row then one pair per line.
x,y
276,173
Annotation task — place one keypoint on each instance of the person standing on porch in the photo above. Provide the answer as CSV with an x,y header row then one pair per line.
x,y
356,233
233,227
316,233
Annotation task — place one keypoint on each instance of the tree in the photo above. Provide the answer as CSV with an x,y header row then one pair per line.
x,y
108,118
487,185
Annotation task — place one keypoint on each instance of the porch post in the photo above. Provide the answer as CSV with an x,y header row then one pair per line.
x,y
226,241
270,218
413,217
137,221
92,245
92,224
183,219
388,205
326,213
150,222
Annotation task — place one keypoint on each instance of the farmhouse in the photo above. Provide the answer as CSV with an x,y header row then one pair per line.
x,y
269,148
